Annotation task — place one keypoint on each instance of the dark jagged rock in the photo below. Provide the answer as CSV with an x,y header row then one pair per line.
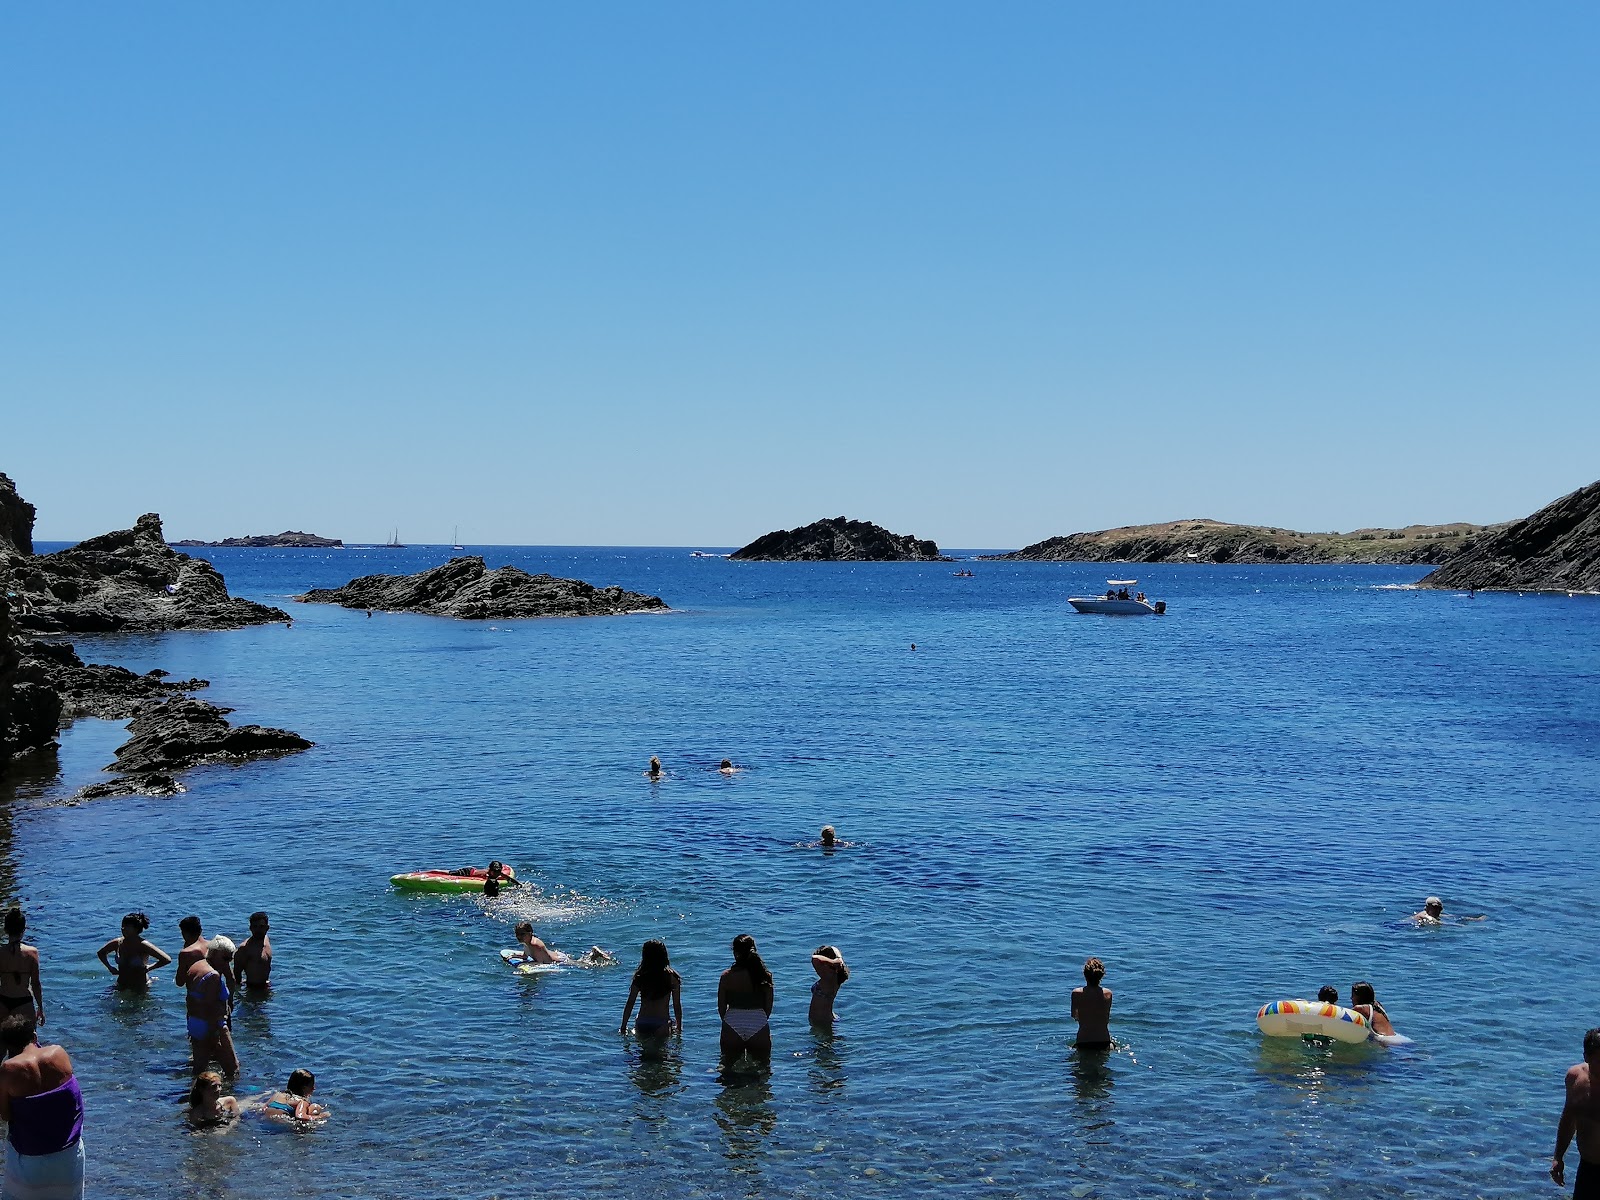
x,y
173,735
464,587
132,785
1207,541
30,708
1557,549
97,690
289,539
836,539
127,581
16,520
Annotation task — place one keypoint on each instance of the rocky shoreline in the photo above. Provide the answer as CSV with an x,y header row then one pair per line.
x,y
129,580
465,588
838,539
1556,549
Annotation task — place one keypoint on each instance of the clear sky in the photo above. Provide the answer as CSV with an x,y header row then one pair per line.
x,y
682,273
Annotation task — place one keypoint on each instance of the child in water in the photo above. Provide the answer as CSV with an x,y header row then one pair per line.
x,y
294,1102
207,1104
535,951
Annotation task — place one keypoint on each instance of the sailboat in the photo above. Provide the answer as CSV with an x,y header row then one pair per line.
x,y
394,540
455,539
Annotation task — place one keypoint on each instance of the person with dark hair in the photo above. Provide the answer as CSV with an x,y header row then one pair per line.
x,y
294,1102
134,955
1580,1116
19,971
1091,1008
252,965
655,986
1328,994
828,963
43,1109
194,948
655,767
207,1104
744,1002
496,877
829,838
208,1005
1365,1001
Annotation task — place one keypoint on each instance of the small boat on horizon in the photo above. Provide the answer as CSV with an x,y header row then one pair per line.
x,y
394,541
455,539
961,574
1118,603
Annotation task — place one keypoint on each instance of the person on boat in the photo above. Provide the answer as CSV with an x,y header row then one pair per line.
x,y
1122,593
1580,1116
1327,994
294,1102
1111,594
657,987
1365,1001
655,767
19,971
828,963
252,965
136,958
208,1004
43,1110
207,1104
194,948
744,1002
830,839
1091,1008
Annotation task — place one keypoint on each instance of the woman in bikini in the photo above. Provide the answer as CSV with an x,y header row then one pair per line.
x,y
828,963
655,986
19,971
294,1102
136,958
1365,1001
744,1002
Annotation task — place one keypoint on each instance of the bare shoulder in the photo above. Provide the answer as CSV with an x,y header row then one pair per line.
x,y
1077,991
1577,1075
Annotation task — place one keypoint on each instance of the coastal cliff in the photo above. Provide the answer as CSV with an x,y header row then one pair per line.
x,y
1557,549
1207,541
836,539
291,539
467,589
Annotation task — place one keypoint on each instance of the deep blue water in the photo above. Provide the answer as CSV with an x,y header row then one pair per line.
x,y
1232,804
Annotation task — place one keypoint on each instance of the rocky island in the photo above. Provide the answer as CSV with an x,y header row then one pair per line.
x,y
1557,549
466,588
836,539
123,581
291,539
1206,541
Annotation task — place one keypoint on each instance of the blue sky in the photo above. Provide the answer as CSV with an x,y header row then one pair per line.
x,y
680,274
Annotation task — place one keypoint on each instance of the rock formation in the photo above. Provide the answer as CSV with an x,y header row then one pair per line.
x,y
172,735
16,520
1207,541
1557,549
464,587
289,539
835,539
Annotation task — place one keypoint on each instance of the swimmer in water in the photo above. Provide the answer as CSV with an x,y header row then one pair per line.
x,y
1365,1001
497,877
655,767
136,958
252,965
656,986
1432,912
207,1104
1328,994
535,951
727,767
294,1102
830,839
1091,1008
828,963
19,971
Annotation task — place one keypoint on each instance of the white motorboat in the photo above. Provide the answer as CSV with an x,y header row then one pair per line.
x,y
1118,602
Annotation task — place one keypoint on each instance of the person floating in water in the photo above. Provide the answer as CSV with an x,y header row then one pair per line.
x,y
1365,1001
1433,913
1328,994
535,951
136,958
830,839
656,986
828,963
1091,1008
252,965
20,991
727,767
655,767
207,1104
1580,1116
497,877
744,1002
294,1102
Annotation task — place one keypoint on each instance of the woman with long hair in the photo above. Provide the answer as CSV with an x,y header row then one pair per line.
x,y
744,1002
655,986
1365,1001
828,963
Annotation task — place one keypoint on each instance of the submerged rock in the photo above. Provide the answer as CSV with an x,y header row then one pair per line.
x,y
132,785
1557,549
172,735
466,588
837,539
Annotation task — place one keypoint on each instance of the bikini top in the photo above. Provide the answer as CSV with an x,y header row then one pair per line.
x,y
222,986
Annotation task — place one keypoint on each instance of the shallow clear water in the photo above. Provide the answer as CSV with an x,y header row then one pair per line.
x,y
1232,804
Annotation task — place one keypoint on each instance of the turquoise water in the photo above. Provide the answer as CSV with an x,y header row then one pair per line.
x,y
1232,804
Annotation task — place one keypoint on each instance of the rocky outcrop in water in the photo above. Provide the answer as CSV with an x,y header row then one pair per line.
x,y
128,581
837,539
1206,541
466,588
172,735
30,709
289,539
1557,549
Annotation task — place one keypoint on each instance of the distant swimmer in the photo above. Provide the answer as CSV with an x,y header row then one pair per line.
x,y
658,989
294,1102
1433,913
1581,1116
655,768
830,839
828,963
19,971
136,958
1365,1001
252,965
207,1104
727,767
1091,1008
744,1002
913,645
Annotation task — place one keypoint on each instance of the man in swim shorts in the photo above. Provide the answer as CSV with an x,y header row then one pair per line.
x,y
1581,1116
194,948
252,965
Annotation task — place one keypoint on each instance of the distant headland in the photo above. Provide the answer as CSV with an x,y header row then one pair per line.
x,y
837,539
289,538
1202,540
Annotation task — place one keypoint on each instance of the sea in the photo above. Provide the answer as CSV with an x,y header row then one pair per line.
x,y
1234,803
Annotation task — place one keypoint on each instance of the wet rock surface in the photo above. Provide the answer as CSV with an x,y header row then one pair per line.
x,y
838,539
172,735
466,588
1557,549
